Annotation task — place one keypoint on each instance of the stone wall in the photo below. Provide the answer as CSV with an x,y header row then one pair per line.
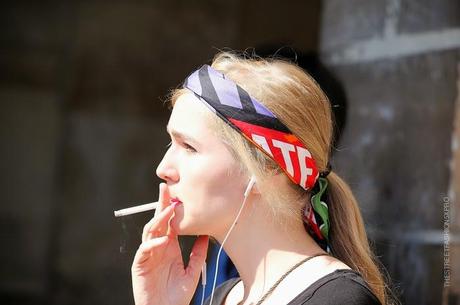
x,y
398,62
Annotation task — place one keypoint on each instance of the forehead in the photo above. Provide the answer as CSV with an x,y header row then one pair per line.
x,y
190,116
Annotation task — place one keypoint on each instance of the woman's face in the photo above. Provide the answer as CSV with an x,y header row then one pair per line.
x,y
200,171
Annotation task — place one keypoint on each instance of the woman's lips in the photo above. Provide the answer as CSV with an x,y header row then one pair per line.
x,y
175,202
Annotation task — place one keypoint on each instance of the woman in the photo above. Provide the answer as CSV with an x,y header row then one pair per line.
x,y
294,233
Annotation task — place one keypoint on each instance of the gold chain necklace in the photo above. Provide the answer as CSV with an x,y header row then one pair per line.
x,y
269,292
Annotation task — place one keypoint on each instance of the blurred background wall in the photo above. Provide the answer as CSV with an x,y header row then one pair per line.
x,y
83,128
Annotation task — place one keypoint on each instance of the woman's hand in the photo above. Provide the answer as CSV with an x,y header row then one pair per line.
x,y
158,273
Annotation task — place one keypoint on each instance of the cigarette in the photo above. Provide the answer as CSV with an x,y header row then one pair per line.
x,y
136,209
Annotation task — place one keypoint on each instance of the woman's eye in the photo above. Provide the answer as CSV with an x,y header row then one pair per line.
x,y
185,145
189,148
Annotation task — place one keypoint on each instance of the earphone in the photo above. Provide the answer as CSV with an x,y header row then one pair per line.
x,y
249,187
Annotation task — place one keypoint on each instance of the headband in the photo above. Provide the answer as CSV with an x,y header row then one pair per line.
x,y
262,128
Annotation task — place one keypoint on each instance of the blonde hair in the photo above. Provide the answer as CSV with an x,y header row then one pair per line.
x,y
298,101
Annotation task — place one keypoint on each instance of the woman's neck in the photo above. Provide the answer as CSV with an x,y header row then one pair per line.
x,y
262,251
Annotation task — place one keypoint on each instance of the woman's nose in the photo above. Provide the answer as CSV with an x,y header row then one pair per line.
x,y
166,170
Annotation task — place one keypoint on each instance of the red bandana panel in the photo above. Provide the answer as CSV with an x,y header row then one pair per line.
x,y
285,149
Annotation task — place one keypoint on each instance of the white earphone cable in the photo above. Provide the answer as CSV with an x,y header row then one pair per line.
x,y
246,194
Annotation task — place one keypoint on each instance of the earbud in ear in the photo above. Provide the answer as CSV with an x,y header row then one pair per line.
x,y
250,185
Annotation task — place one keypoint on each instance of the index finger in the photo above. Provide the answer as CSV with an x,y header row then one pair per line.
x,y
163,198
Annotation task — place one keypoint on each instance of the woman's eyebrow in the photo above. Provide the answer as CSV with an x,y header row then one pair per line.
x,y
178,135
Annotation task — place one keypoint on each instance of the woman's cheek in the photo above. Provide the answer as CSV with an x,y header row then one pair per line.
x,y
187,218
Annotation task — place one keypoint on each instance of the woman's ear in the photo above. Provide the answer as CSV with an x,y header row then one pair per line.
x,y
255,189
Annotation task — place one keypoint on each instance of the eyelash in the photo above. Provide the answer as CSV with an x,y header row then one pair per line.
x,y
187,147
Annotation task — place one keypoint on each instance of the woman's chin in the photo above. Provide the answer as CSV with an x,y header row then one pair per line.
x,y
183,227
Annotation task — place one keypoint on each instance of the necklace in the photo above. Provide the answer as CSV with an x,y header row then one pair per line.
x,y
269,292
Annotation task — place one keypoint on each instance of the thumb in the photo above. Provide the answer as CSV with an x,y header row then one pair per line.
x,y
198,256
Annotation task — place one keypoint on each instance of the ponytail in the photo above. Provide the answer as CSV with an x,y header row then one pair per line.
x,y
348,238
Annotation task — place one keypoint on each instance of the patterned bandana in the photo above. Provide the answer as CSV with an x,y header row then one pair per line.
x,y
261,127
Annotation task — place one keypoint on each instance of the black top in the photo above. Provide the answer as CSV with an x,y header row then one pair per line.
x,y
342,286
